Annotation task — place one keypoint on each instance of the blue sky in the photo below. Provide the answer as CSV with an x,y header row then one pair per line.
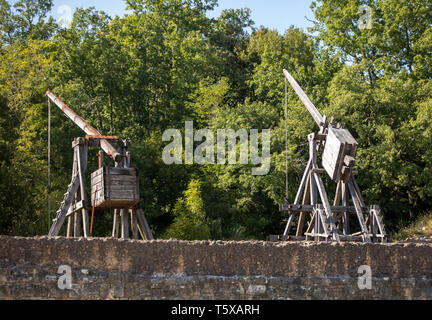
x,y
274,14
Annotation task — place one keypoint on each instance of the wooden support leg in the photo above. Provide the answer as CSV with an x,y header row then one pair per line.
x,y
346,226
358,192
78,218
143,225
328,212
134,224
302,217
116,224
324,227
372,226
311,225
124,224
72,219
359,212
338,195
70,226
337,200
317,226
64,208
77,225
298,196
82,154
376,212
85,223
303,183
288,225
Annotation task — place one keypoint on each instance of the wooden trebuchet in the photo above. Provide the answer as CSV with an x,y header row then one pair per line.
x,y
112,188
317,219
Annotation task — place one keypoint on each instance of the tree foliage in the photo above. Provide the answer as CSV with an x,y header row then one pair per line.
x,y
166,62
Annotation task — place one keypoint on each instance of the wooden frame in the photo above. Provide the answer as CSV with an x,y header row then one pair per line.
x,y
75,205
330,222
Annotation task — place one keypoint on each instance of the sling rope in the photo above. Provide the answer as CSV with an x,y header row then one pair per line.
x,y
286,140
49,165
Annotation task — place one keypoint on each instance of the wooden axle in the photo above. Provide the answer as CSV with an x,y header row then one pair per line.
x,y
309,208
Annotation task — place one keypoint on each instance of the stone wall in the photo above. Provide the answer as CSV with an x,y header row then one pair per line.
x,y
123,269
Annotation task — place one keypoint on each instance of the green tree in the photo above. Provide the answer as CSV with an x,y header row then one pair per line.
x,y
190,218
26,19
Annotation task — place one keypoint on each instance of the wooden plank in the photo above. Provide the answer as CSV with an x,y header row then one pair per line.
x,y
118,204
123,171
125,188
117,186
130,179
332,158
115,179
97,180
75,207
98,172
122,195
317,236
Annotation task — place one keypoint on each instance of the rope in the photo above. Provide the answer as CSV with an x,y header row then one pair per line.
x,y
49,165
286,141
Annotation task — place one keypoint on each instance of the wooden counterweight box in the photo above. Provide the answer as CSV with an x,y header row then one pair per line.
x,y
114,188
340,143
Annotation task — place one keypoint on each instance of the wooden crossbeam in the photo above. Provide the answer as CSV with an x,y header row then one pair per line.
x,y
309,208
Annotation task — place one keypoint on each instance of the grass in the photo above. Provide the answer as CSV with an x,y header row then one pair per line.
x,y
421,227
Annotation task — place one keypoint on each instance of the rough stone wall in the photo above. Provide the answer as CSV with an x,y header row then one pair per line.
x,y
124,269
